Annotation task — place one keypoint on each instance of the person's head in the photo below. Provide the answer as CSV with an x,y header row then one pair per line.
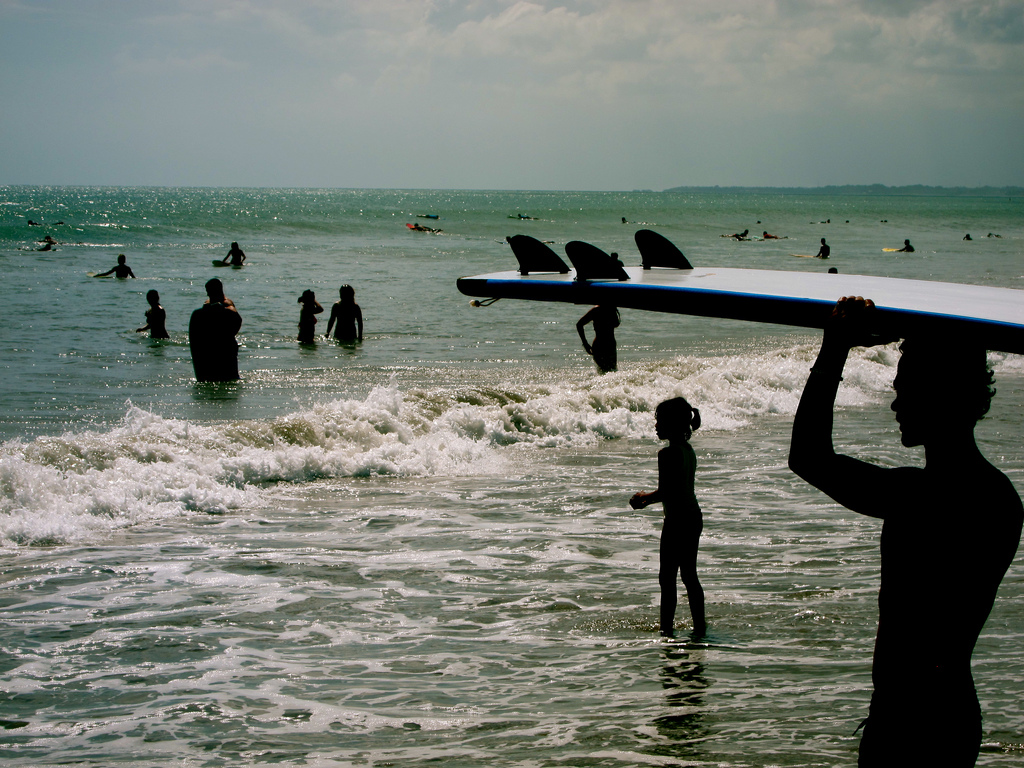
x,y
347,293
675,419
906,242
234,246
152,297
943,387
215,290
823,241
765,233
120,258
307,297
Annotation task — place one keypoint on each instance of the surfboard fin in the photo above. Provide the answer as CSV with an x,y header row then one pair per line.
x,y
658,251
534,256
592,263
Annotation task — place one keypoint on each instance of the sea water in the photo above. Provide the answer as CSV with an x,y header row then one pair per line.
x,y
419,548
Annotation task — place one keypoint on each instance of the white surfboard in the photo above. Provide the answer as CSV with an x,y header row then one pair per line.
x,y
990,315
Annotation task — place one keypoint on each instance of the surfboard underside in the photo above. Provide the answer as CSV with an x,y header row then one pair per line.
x,y
987,315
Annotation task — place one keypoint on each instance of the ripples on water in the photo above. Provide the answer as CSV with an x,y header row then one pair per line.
x,y
420,551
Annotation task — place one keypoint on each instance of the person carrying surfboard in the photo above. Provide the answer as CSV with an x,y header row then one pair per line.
x,y
949,533
675,421
122,270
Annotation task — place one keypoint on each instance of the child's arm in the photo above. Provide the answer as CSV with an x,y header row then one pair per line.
x,y
641,500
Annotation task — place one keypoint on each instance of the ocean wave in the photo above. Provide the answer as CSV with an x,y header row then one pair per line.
x,y
66,488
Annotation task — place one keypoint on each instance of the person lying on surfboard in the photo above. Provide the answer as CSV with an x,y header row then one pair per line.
x,y
766,236
122,270
675,421
949,532
739,235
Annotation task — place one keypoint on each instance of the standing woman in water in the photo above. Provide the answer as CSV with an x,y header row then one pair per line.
x,y
307,317
675,421
348,315
605,320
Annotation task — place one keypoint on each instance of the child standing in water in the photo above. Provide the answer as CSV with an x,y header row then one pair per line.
x,y
676,420
156,318
307,316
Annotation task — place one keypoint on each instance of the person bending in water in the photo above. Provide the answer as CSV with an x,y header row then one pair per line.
x,y
605,320
348,316
824,251
122,270
156,318
680,535
235,256
907,247
307,316
949,532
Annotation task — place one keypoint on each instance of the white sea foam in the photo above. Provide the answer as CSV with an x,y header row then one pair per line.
x,y
84,484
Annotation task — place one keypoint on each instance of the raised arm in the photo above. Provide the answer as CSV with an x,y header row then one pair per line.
x,y
855,484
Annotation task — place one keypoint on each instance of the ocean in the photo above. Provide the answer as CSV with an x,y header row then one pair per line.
x,y
419,548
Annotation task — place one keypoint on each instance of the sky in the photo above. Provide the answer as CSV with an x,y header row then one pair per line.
x,y
493,94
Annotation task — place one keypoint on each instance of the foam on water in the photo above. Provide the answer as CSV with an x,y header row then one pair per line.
x,y
80,485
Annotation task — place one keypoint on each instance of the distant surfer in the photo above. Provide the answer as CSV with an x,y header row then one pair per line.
x,y
34,223
156,318
968,236
675,421
307,316
949,533
421,228
235,256
824,252
739,235
766,236
605,319
122,270
907,247
348,316
211,336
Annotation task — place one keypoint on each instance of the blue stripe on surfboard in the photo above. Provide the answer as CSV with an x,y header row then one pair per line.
x,y
998,321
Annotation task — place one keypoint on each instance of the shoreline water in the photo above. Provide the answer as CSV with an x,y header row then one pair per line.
x,y
419,547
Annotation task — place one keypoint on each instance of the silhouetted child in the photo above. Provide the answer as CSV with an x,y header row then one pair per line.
x,y
156,318
348,316
680,536
307,316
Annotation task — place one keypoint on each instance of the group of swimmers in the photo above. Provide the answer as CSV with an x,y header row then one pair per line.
x,y
949,532
346,316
